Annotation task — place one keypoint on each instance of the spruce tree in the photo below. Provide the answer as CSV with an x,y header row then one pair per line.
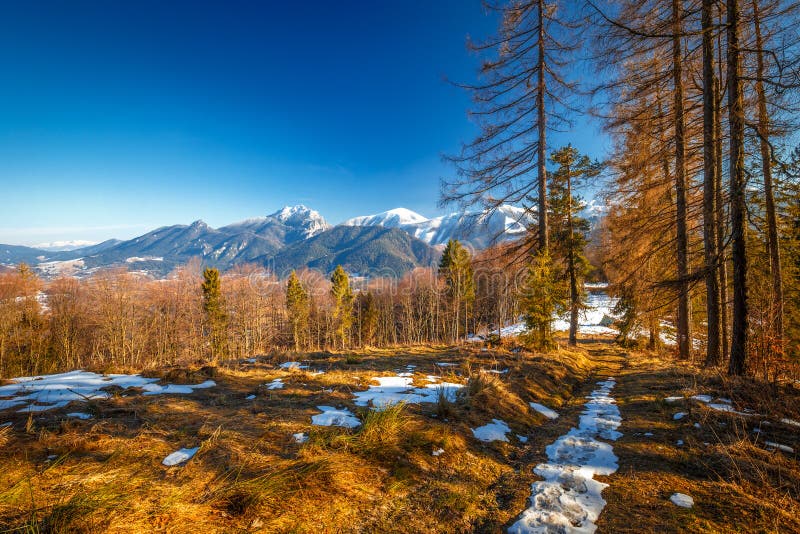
x,y
569,230
298,308
343,304
214,307
542,297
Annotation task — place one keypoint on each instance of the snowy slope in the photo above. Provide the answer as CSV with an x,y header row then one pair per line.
x,y
477,229
295,222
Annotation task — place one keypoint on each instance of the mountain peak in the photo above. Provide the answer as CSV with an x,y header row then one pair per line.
x,y
394,218
298,210
199,224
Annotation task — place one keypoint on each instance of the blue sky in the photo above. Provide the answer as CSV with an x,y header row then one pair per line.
x,y
118,117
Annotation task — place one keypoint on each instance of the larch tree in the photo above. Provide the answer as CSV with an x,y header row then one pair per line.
x,y
737,184
645,57
524,94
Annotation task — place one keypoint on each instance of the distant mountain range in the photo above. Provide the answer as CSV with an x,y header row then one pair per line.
x,y
475,229
388,243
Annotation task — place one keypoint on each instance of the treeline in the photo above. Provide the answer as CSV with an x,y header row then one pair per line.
x,y
701,101
118,319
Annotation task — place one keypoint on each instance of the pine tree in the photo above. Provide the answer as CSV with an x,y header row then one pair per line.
x,y
298,307
214,307
455,268
569,230
343,304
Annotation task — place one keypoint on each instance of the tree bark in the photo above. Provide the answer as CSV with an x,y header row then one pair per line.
x,y
773,245
721,227
739,333
709,190
544,238
684,333
573,277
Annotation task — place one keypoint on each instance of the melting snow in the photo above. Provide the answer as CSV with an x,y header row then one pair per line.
x,y
330,416
784,448
682,500
394,389
544,410
522,439
494,431
569,499
180,456
275,384
292,365
300,437
156,389
724,405
679,415
80,415
438,452
673,399
250,397
58,390
790,422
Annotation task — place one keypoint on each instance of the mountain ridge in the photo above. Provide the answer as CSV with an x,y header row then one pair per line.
x,y
395,240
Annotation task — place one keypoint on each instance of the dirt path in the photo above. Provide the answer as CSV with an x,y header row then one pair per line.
x,y
736,485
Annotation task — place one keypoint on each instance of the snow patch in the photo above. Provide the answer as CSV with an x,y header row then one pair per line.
x,y
275,384
682,500
569,499
393,389
331,416
494,431
544,410
181,456
292,365
784,448
47,392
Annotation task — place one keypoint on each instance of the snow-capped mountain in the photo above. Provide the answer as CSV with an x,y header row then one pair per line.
x,y
295,237
298,222
59,246
396,218
477,229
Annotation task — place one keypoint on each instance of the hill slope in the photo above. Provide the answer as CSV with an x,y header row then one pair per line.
x,y
363,250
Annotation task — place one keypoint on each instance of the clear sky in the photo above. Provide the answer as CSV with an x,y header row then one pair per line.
x,y
118,117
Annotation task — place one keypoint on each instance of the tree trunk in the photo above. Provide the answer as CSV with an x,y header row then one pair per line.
x,y
544,238
773,246
709,190
739,332
721,227
684,333
573,278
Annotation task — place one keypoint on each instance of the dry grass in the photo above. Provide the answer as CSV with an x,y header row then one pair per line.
x,y
105,474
